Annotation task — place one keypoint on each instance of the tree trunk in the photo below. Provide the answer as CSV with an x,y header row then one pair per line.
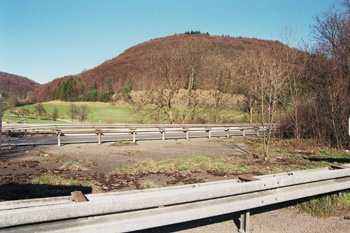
x,y
251,114
189,92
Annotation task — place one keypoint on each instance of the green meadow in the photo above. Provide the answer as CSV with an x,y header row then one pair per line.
x,y
120,112
99,112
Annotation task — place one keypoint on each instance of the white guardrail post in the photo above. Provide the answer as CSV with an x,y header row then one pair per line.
x,y
162,131
59,138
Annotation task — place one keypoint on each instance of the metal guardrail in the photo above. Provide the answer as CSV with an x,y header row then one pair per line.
x,y
118,126
108,129
142,209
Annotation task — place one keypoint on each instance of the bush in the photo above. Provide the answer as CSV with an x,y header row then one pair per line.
x,y
83,112
54,114
104,97
91,96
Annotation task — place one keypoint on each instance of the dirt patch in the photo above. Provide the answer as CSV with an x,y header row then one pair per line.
x,y
125,166
95,164
35,172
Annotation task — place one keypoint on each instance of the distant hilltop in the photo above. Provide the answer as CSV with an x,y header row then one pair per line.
x,y
136,65
15,85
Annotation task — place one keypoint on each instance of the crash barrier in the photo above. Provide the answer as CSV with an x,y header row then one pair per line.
x,y
142,209
132,129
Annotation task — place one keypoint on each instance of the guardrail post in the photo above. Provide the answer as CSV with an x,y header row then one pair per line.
x,y
243,132
187,133
258,132
162,131
133,132
99,138
59,139
209,132
227,132
244,222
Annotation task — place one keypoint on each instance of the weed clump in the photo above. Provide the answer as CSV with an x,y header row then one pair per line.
x,y
124,143
148,184
325,205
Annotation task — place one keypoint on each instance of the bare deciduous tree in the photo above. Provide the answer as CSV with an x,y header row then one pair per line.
x,y
175,68
39,110
192,61
271,80
83,112
222,82
72,111
294,64
54,114
247,82
330,76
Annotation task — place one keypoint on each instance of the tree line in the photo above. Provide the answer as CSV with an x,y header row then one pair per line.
x,y
75,90
74,112
305,91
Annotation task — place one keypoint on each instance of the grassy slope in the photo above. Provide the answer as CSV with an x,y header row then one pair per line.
x,y
106,112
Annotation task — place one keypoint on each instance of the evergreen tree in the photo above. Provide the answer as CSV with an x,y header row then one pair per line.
x,y
63,95
82,89
91,96
54,94
69,89
104,97
110,87
126,90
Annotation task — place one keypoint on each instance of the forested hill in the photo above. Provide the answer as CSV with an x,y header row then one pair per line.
x,y
14,85
136,67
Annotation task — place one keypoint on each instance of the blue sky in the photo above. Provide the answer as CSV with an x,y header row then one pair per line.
x,y
48,39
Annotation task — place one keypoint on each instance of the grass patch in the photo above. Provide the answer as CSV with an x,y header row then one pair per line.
x,y
72,165
227,139
148,184
57,158
182,167
45,179
61,155
121,169
198,163
325,205
40,151
56,180
132,152
124,143
240,167
332,153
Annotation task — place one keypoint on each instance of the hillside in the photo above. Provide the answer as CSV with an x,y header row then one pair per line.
x,y
11,84
137,65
